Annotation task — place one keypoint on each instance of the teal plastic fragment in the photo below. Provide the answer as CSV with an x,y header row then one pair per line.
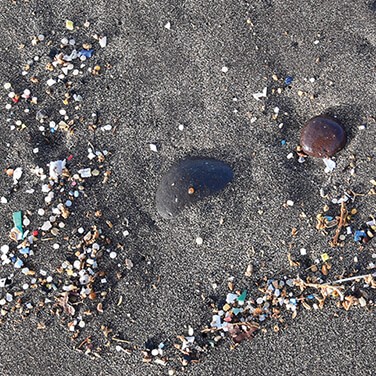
x,y
241,298
17,220
235,311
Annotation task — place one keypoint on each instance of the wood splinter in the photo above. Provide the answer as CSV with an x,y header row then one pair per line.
x,y
341,223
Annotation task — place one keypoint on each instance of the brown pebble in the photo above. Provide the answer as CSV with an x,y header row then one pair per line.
x,y
323,136
92,295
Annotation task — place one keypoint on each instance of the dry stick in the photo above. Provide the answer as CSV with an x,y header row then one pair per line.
x,y
341,223
247,324
355,277
120,340
83,342
302,284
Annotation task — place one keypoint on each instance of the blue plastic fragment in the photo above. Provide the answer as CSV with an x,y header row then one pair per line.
x,y
25,251
283,142
359,235
310,297
87,53
235,311
328,217
293,301
288,80
17,220
18,264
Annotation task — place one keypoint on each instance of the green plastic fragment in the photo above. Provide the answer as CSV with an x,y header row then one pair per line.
x,y
17,220
241,298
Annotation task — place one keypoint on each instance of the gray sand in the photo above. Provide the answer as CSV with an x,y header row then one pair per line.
x,y
161,79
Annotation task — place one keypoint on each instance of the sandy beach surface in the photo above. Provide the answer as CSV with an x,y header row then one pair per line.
x,y
161,81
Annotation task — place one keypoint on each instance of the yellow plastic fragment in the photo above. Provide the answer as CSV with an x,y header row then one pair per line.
x,y
226,307
325,257
69,24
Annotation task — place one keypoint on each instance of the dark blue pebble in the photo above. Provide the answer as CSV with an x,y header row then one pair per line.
x,y
189,181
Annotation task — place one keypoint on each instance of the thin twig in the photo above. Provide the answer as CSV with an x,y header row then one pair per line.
x,y
120,340
341,223
355,277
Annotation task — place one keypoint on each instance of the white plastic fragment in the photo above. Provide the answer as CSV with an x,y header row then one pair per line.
x,y
106,127
103,41
262,94
85,172
84,279
51,82
153,147
17,173
3,200
168,26
199,240
224,69
216,322
56,168
46,226
290,203
77,97
330,165
230,299
190,331
4,248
